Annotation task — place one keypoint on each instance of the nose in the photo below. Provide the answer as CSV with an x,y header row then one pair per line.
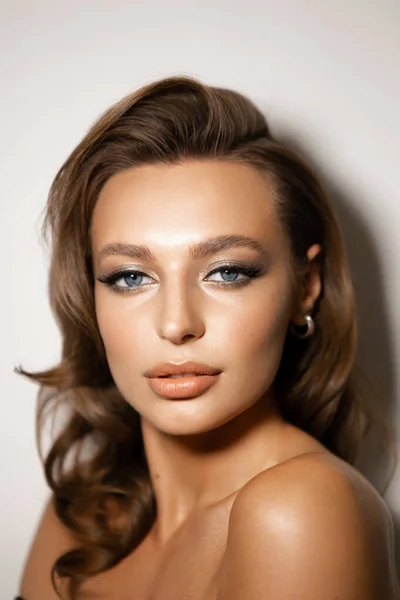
x,y
180,319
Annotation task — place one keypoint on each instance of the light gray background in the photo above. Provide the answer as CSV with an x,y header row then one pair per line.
x,y
327,76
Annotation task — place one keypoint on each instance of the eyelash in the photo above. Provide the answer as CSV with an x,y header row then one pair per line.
x,y
251,270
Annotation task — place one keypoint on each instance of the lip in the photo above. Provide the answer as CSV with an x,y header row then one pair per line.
x,y
169,368
181,387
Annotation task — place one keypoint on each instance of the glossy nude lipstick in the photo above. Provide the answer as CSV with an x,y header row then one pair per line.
x,y
183,380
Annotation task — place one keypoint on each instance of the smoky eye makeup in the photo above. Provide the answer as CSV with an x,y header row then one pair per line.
x,y
234,275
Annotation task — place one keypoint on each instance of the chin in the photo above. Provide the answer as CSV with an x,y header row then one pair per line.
x,y
184,417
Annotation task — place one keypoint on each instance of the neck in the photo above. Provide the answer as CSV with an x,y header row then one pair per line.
x,y
192,472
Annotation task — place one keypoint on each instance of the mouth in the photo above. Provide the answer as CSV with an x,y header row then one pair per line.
x,y
185,369
182,386
181,375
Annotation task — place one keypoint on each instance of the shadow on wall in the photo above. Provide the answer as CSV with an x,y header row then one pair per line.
x,y
376,351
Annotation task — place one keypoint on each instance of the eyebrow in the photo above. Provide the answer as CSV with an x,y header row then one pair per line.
x,y
202,249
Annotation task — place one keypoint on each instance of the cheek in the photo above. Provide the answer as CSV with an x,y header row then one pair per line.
x,y
120,330
260,329
124,338
255,346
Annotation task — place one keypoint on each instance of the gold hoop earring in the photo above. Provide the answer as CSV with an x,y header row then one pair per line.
x,y
298,331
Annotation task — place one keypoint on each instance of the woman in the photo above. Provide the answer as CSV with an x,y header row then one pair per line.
x,y
202,289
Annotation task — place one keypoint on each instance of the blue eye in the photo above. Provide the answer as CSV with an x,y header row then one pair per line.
x,y
133,279
226,271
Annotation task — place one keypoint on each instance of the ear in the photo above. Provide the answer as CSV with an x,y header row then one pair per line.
x,y
309,286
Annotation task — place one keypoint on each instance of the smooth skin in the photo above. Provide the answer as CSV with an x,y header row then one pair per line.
x,y
249,506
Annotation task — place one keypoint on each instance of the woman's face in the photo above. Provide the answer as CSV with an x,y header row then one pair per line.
x,y
175,310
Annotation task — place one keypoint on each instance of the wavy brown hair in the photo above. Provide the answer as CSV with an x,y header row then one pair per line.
x,y
106,498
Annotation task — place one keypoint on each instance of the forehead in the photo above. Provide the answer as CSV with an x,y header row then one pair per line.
x,y
171,205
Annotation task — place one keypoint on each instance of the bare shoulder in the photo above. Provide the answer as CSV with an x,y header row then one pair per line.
x,y
312,522
310,474
51,539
